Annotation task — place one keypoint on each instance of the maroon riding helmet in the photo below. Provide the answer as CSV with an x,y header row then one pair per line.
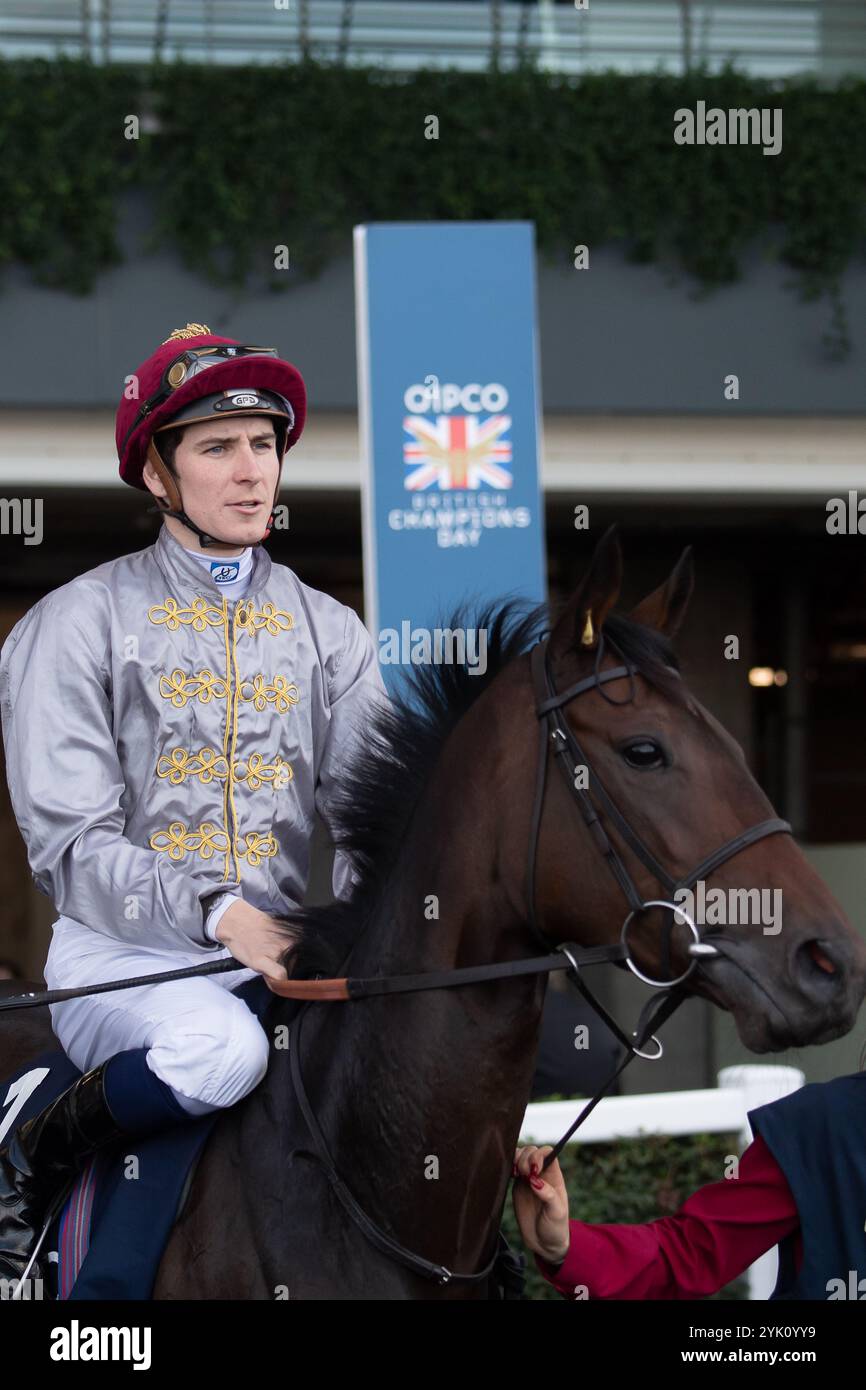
x,y
193,376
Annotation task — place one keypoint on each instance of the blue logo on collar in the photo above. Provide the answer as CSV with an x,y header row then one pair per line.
x,y
224,571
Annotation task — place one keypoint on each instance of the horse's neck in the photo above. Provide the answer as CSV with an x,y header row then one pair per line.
x,y
420,1096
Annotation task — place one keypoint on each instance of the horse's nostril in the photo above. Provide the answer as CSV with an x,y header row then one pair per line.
x,y
818,956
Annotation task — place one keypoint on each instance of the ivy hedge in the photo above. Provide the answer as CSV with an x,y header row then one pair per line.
x,y
634,1180
239,160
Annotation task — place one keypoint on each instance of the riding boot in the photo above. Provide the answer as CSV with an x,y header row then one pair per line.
x,y
47,1151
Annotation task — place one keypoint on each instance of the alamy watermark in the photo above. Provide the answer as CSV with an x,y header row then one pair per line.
x,y
846,516
22,516
27,1289
77,1343
424,646
722,907
854,1287
736,126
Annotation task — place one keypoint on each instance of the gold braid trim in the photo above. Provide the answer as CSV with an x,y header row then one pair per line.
x,y
204,686
208,840
201,614
207,764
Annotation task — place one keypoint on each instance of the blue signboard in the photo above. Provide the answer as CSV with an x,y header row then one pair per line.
x,y
449,413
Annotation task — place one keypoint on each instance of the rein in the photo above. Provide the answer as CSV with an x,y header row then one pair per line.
x,y
571,956
331,991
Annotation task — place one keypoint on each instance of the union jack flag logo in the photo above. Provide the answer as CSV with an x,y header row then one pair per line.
x,y
456,451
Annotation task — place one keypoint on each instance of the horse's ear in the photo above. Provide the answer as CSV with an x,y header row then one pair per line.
x,y
665,608
584,614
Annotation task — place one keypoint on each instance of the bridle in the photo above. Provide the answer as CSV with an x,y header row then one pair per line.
x,y
571,758
570,957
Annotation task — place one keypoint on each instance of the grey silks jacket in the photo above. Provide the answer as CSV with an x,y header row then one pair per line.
x,y
164,742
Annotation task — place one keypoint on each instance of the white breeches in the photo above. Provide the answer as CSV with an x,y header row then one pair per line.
x,y
203,1041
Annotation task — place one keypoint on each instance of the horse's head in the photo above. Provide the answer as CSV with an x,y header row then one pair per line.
x,y
788,964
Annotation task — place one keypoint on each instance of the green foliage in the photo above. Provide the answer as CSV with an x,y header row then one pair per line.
x,y
248,158
632,1181
63,160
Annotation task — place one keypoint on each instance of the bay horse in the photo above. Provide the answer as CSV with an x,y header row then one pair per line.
x,y
421,1096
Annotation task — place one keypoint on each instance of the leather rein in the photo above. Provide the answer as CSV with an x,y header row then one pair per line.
x,y
569,956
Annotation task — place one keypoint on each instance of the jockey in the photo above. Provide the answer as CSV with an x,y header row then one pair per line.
x,y
172,720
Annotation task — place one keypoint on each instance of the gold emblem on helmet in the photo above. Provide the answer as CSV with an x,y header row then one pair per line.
x,y
192,330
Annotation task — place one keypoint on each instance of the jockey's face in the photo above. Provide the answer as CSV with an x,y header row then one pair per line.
x,y
218,465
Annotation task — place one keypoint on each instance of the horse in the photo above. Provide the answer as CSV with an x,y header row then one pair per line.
x,y
420,1096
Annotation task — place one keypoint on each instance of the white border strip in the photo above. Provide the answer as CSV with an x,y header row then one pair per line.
x,y
708,460
365,423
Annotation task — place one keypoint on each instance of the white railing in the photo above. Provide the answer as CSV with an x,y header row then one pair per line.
x,y
772,38
722,1111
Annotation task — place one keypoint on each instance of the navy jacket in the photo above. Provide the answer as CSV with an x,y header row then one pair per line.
x,y
817,1136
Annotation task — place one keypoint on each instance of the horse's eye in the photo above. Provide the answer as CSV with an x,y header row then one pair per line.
x,y
643,754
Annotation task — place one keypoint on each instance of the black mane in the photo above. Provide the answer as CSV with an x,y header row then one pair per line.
x,y
382,786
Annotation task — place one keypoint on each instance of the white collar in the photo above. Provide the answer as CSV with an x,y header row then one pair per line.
x,y
232,570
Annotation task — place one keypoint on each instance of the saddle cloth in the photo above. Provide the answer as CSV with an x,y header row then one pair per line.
x,y
108,1239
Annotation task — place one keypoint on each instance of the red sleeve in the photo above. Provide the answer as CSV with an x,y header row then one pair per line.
x,y
716,1234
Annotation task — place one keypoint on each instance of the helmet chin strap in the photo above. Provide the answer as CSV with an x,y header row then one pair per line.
x,y
175,505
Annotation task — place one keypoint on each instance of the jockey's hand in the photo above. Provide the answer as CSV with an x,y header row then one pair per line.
x,y
255,939
540,1204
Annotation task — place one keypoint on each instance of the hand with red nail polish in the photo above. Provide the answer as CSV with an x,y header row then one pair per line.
x,y
541,1204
